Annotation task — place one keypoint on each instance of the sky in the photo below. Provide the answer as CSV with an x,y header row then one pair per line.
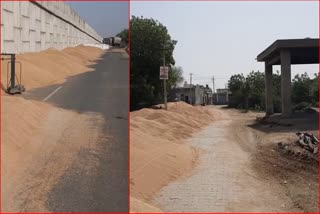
x,y
107,18
224,38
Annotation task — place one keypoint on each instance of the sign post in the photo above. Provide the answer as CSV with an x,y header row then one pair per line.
x,y
164,76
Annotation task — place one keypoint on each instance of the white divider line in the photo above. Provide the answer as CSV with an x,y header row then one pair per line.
x,y
52,93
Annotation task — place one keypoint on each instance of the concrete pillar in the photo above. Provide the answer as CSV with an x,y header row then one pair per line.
x,y
268,83
227,97
285,82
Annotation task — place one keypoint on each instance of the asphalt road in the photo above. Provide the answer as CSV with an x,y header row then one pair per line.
x,y
103,91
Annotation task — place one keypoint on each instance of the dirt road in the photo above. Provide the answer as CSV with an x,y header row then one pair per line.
x,y
227,178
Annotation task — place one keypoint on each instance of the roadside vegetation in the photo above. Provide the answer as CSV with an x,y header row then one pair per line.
x,y
248,92
149,40
124,35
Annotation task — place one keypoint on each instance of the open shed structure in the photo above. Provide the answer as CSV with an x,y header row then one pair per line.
x,y
285,53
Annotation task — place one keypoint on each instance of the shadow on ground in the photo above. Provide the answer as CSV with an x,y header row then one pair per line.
x,y
300,121
104,91
90,91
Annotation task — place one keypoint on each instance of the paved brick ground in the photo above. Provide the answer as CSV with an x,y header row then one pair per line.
x,y
223,181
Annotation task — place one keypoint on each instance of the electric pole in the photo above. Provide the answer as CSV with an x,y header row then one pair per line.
x,y
191,88
213,89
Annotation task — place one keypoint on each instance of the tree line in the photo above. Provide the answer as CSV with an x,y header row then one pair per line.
x,y
248,91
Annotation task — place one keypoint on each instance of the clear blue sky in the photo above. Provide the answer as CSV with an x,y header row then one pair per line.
x,y
107,18
224,38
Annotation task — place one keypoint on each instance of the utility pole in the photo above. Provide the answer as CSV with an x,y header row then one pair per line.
x,y
164,83
190,88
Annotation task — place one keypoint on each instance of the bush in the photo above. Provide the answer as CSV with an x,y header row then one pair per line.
x,y
301,106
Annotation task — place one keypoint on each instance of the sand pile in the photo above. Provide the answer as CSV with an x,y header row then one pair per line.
x,y
158,152
39,143
33,155
52,66
140,206
21,120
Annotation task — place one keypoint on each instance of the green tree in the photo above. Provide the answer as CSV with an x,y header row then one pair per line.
x,y
256,90
149,41
248,92
301,90
314,90
124,35
236,85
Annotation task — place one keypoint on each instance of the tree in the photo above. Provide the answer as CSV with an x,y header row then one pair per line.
x,y
301,90
314,90
149,40
124,35
235,83
256,89
175,77
248,92
236,86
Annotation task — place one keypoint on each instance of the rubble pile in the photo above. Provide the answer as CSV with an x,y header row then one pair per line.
x,y
308,141
305,148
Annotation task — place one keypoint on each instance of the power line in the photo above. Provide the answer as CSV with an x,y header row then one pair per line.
x,y
197,77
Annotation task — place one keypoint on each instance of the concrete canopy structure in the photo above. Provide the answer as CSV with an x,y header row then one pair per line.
x,y
286,53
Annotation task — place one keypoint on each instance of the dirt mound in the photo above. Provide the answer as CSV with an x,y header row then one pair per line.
x,y
288,165
158,153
